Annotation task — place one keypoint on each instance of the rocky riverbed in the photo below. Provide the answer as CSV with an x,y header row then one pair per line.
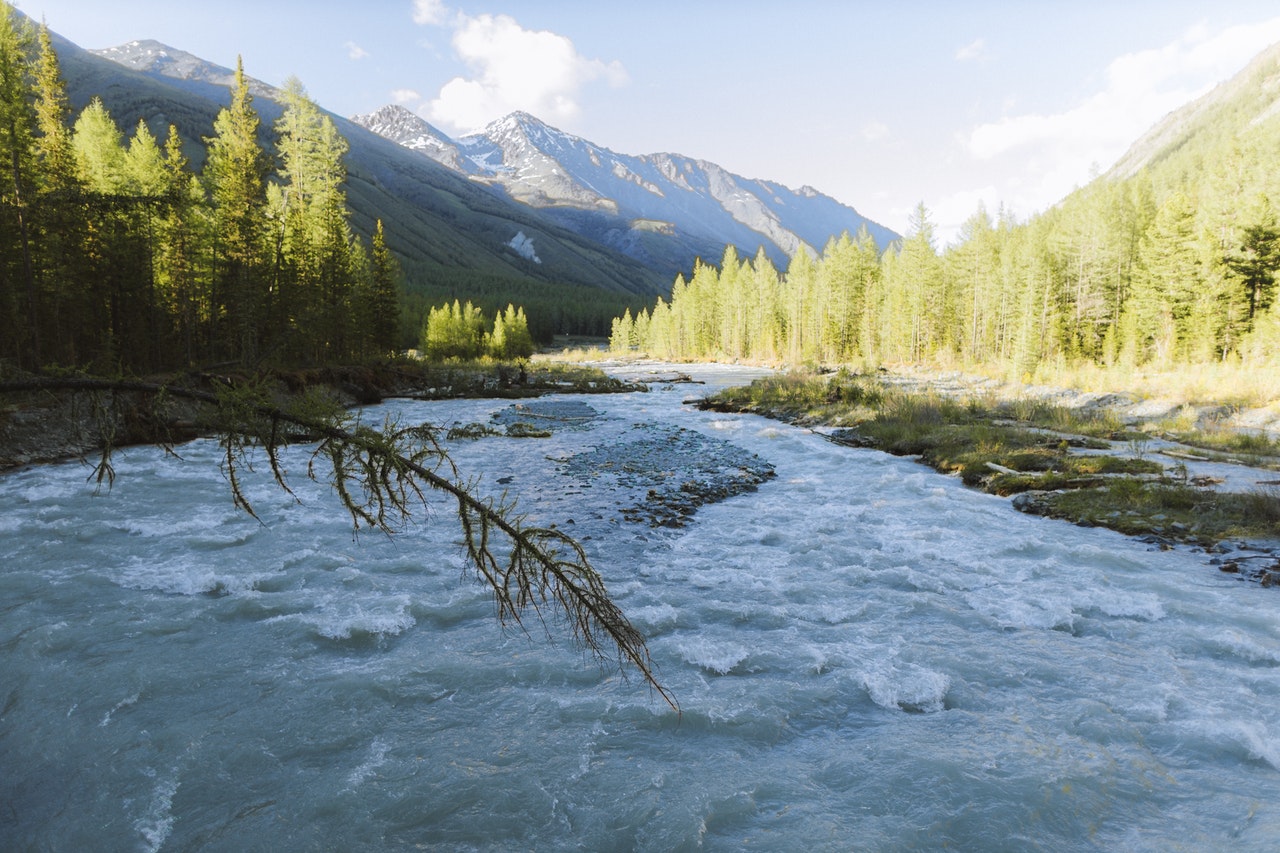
x,y
660,474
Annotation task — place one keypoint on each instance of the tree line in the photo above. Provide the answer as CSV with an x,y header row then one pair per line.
x,y
462,331
1175,264
116,256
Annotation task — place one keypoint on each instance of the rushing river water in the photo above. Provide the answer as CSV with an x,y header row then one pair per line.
x,y
868,656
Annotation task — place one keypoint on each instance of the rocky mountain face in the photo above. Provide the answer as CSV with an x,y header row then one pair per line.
x,y
407,129
653,207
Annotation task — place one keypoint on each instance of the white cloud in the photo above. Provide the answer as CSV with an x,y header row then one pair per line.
x,y
512,68
1054,152
976,49
406,96
429,13
355,51
874,130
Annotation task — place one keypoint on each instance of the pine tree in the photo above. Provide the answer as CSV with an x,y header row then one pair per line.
x,y
924,298
19,311
1165,288
764,287
384,300
144,165
235,176
315,281
65,305
1257,260
516,342
180,239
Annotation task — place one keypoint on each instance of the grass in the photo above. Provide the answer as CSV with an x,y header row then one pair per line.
x,y
1174,511
1221,383
838,399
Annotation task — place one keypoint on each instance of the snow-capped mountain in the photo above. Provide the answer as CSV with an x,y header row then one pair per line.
x,y
625,200
153,57
404,128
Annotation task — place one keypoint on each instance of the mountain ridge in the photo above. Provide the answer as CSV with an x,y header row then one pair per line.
x,y
696,202
1167,136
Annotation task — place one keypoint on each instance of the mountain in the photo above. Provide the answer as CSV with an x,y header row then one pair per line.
x,y
663,209
1247,104
150,56
454,237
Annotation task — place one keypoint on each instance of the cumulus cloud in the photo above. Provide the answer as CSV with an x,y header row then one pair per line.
x,y
976,49
429,13
1058,150
406,96
355,51
511,68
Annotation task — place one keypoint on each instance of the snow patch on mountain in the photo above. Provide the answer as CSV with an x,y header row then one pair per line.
x,y
523,247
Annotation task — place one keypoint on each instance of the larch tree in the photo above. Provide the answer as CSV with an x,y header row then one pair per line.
x,y
383,300
235,172
313,239
19,309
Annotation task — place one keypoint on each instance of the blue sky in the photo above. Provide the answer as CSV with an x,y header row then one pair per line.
x,y
881,105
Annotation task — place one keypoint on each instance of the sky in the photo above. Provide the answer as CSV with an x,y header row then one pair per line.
x,y
883,106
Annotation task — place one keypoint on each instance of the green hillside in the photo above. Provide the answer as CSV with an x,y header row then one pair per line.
x,y
448,233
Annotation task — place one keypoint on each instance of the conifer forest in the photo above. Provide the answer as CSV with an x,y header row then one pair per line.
x,y
1170,263
116,256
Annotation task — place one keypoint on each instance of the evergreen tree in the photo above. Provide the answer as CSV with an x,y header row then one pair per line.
x,y
66,309
454,331
235,176
923,293
314,281
511,338
1166,285
99,151
180,238
383,300
19,313
798,287
144,165
1255,263
53,112
764,285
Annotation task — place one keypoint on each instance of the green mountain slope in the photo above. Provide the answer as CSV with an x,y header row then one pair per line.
x,y
1238,120
451,235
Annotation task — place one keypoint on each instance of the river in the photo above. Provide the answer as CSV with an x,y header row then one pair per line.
x,y
867,655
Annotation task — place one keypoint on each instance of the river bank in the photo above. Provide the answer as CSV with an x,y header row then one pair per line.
x,y
38,425
1093,460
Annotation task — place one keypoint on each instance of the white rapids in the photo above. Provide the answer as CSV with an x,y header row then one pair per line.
x,y
867,656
